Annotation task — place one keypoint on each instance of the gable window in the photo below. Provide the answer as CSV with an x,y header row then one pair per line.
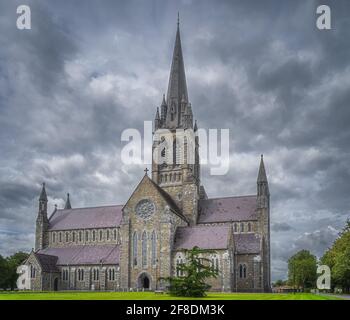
x,y
144,248
154,255
134,248
32,271
242,271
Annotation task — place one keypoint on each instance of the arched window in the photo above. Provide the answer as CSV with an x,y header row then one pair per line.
x,y
86,235
95,274
177,267
174,153
60,236
215,263
32,271
80,274
111,274
154,248
53,237
107,235
93,235
80,236
100,235
134,248
249,227
242,227
73,236
242,271
144,248
66,236
236,227
115,234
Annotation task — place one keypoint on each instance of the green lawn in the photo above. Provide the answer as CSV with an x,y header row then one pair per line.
x,y
153,296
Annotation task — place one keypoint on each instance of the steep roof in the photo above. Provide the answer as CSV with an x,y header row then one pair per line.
x,y
84,218
47,262
262,172
177,87
247,243
94,254
205,237
227,209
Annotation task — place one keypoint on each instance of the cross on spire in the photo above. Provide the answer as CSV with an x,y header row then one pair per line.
x,y
146,171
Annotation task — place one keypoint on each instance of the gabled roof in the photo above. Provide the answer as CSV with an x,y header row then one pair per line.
x,y
47,262
205,237
171,203
92,254
247,243
227,209
85,218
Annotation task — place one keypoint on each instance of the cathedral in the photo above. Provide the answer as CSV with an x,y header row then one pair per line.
x,y
136,245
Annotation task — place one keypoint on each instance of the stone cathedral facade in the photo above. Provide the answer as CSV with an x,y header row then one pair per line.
x,y
133,246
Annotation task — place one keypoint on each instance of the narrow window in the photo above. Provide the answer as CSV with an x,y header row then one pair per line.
x,y
249,227
135,248
154,256
87,236
80,236
236,228
107,235
60,236
244,271
100,235
66,236
240,271
54,237
115,234
242,227
93,235
144,248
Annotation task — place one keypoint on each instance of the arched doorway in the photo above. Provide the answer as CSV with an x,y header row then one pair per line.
x,y
55,284
144,281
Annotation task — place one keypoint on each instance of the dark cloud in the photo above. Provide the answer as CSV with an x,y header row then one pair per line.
x,y
84,73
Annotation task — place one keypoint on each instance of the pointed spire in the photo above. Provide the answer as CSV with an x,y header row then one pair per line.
x,y
67,205
195,128
262,173
163,102
177,80
157,114
43,196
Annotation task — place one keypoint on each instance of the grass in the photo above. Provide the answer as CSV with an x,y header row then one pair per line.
x,y
152,296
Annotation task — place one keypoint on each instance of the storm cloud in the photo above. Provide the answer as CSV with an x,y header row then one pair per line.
x,y
87,70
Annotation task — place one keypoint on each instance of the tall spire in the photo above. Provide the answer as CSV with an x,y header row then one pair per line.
x,y
177,80
43,196
68,205
262,173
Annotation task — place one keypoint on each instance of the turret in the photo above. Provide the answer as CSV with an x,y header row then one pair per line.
x,y
67,206
42,222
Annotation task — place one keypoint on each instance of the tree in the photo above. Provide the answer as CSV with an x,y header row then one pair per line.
x,y
337,258
280,283
302,269
4,272
196,270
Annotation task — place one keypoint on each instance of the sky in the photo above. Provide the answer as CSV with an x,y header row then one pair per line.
x,y
87,70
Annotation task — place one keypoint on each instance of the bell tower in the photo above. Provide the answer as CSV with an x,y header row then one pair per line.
x,y
175,165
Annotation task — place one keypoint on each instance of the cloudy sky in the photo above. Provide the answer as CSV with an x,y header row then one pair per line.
x,y
87,70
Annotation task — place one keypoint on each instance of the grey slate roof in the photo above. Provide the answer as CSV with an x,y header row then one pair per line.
x,y
247,243
48,263
227,209
83,218
205,237
76,255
